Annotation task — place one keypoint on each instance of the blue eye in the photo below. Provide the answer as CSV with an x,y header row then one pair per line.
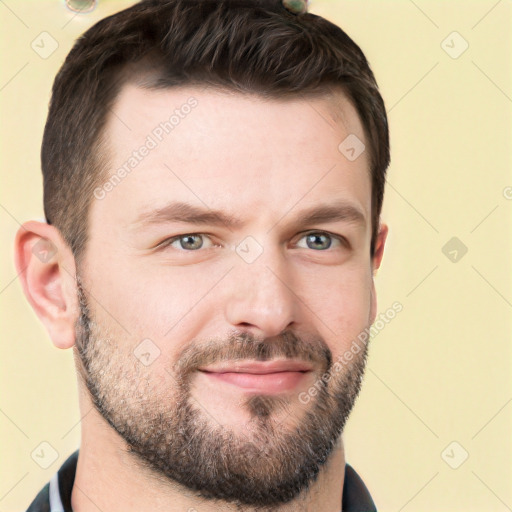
x,y
188,242
320,240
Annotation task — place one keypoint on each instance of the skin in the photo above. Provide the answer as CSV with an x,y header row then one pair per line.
x,y
263,161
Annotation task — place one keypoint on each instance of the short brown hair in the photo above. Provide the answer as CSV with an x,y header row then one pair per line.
x,y
248,46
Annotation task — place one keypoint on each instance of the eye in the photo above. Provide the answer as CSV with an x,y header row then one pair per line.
x,y
322,240
188,242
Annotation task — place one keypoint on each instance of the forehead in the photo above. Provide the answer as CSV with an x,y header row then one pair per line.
x,y
240,153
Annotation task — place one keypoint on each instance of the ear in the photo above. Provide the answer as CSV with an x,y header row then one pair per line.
x,y
376,261
46,267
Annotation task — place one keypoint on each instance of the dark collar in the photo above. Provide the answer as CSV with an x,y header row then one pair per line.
x,y
356,497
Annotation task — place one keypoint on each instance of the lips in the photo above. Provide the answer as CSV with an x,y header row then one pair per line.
x,y
258,367
267,377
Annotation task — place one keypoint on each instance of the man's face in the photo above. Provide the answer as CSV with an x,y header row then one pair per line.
x,y
197,349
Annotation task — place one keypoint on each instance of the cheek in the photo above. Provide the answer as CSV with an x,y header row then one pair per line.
x,y
342,305
157,302
124,368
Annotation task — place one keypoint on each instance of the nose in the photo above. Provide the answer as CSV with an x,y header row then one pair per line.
x,y
261,297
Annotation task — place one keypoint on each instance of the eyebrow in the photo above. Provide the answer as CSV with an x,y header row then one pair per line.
x,y
178,211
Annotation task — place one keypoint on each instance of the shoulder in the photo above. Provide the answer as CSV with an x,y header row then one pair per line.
x,y
41,502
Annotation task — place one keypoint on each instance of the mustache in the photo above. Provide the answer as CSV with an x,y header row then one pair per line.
x,y
244,345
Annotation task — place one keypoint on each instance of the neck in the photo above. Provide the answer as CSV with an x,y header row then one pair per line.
x,y
109,477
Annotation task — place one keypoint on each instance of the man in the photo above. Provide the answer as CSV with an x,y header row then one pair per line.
x,y
213,180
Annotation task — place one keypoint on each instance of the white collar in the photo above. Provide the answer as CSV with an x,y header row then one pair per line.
x,y
55,501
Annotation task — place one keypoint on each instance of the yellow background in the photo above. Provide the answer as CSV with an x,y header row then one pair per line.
x,y
441,370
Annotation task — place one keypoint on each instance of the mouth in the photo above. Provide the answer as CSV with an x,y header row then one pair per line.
x,y
268,377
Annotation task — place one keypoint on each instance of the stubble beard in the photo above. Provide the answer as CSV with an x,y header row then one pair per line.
x,y
262,466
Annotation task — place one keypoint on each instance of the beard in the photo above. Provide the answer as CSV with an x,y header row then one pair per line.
x,y
264,465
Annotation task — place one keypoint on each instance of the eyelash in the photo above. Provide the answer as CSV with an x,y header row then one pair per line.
x,y
169,241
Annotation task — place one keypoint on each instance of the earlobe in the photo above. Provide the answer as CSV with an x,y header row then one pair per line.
x,y
46,267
